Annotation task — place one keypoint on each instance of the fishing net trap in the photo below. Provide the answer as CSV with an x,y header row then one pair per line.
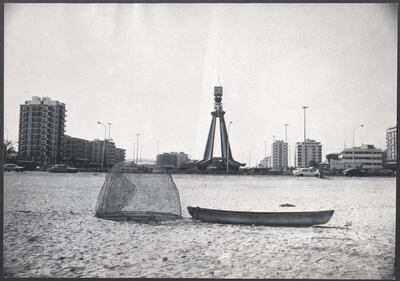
x,y
131,193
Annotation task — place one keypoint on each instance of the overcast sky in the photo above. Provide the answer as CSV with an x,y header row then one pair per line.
x,y
151,69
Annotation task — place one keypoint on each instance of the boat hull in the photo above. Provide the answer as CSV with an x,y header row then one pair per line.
x,y
261,218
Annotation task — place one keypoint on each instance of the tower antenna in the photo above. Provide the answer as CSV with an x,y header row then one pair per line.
x,y
219,82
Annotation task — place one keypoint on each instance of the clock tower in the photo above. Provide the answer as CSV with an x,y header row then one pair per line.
x,y
210,162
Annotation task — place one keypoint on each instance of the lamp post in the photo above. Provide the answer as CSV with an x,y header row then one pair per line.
x,y
272,152
133,154
354,129
250,158
287,154
227,148
137,149
109,127
304,144
286,132
104,145
265,154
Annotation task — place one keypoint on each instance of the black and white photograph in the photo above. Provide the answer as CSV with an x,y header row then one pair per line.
x,y
200,140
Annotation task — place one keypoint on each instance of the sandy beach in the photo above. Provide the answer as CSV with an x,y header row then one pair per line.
x,y
50,230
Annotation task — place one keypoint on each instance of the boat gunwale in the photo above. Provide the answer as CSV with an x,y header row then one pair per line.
x,y
264,213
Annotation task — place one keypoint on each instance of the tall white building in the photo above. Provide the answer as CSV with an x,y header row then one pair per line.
x,y
311,151
279,154
366,157
41,130
391,145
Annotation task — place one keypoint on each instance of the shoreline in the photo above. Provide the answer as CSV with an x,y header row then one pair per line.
x,y
223,174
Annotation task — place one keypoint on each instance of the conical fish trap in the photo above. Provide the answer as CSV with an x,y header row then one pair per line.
x,y
131,193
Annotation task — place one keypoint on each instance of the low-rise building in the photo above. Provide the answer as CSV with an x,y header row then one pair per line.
x,y
365,157
83,153
76,151
182,159
96,151
119,154
266,162
103,149
336,164
172,160
263,163
166,160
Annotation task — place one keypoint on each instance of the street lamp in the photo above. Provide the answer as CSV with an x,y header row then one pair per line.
x,y
287,154
250,158
265,154
137,148
104,145
354,129
286,132
304,144
109,126
133,154
227,148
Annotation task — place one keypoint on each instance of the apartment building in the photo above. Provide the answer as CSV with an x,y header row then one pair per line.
x,y
366,157
41,130
279,154
309,151
391,146
76,151
172,160
104,151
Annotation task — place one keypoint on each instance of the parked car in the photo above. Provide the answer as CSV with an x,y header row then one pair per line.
x,y
307,172
62,168
42,168
13,167
355,172
386,172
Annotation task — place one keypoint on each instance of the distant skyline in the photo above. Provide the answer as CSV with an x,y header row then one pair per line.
x,y
151,69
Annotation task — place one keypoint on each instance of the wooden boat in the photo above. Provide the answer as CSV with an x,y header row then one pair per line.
x,y
261,218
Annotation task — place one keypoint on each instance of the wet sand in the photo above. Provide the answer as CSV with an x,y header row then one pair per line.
x,y
50,231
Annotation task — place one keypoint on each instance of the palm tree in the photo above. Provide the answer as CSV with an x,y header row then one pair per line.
x,y
8,148
313,163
